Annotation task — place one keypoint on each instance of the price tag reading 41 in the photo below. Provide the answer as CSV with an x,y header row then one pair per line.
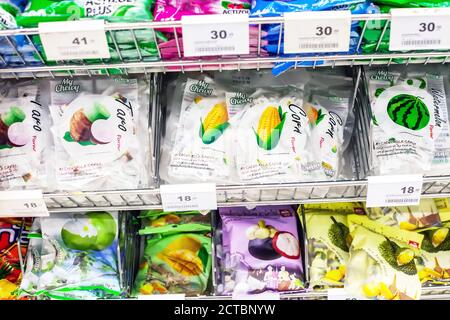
x,y
185,197
24,203
325,31
398,190
420,29
217,34
68,40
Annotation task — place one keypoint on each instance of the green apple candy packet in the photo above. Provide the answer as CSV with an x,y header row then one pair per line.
x,y
177,253
76,258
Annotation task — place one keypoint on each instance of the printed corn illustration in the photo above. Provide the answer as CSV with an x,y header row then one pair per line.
x,y
269,127
215,123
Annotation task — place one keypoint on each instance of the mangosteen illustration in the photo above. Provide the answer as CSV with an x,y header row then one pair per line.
x,y
267,243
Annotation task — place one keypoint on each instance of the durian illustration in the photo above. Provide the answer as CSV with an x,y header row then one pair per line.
x,y
339,235
401,259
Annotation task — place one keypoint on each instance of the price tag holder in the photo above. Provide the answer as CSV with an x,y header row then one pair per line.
x,y
420,29
340,294
394,190
217,34
23,203
72,40
314,31
179,296
185,197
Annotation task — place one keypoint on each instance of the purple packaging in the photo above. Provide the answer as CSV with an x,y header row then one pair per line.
x,y
260,250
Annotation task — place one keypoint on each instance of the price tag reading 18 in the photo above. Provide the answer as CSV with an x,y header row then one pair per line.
x,y
185,197
217,34
325,31
24,203
398,190
420,29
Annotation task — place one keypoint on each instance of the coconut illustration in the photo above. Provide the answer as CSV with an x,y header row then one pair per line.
x,y
91,231
13,132
267,243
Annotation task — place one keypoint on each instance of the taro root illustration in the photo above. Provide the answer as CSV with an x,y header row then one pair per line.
x,y
215,122
89,126
267,243
270,126
13,132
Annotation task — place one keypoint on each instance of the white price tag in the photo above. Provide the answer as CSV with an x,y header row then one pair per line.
x,y
420,29
340,294
260,296
185,197
398,190
179,296
314,31
68,40
216,34
23,203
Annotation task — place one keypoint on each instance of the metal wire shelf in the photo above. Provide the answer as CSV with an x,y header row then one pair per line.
x,y
126,44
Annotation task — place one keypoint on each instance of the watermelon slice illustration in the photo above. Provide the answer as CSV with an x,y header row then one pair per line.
x,y
408,111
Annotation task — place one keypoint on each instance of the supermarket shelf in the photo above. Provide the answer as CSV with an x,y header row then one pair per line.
x,y
144,63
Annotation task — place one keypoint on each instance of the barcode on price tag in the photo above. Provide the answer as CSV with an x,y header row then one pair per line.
x,y
217,34
185,197
72,40
325,31
394,190
420,29
24,203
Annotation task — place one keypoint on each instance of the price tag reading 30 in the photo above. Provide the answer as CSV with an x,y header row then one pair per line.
x,y
23,203
325,31
185,197
398,190
217,34
420,29
72,40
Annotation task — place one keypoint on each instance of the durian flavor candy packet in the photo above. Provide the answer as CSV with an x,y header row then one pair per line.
x,y
100,132
381,267
260,251
197,143
177,254
78,257
328,246
425,215
272,135
24,135
406,120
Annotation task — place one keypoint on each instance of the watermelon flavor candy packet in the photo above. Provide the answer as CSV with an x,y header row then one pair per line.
x,y
407,119
177,254
12,232
259,251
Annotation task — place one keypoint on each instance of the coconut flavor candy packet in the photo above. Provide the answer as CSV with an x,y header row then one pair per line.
x,y
177,254
382,265
197,145
78,258
13,247
406,120
24,136
100,133
260,251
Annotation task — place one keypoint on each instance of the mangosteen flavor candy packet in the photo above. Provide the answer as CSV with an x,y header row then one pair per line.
x,y
76,257
409,119
100,132
13,231
177,254
24,136
260,251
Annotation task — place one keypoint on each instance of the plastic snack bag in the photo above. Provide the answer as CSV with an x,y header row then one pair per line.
x,y
328,247
78,257
100,133
381,268
197,145
13,232
260,251
24,136
404,123
177,254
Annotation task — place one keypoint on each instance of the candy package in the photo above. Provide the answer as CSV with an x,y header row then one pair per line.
x,y
259,251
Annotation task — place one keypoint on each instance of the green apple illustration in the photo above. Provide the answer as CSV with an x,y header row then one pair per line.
x,y
91,231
